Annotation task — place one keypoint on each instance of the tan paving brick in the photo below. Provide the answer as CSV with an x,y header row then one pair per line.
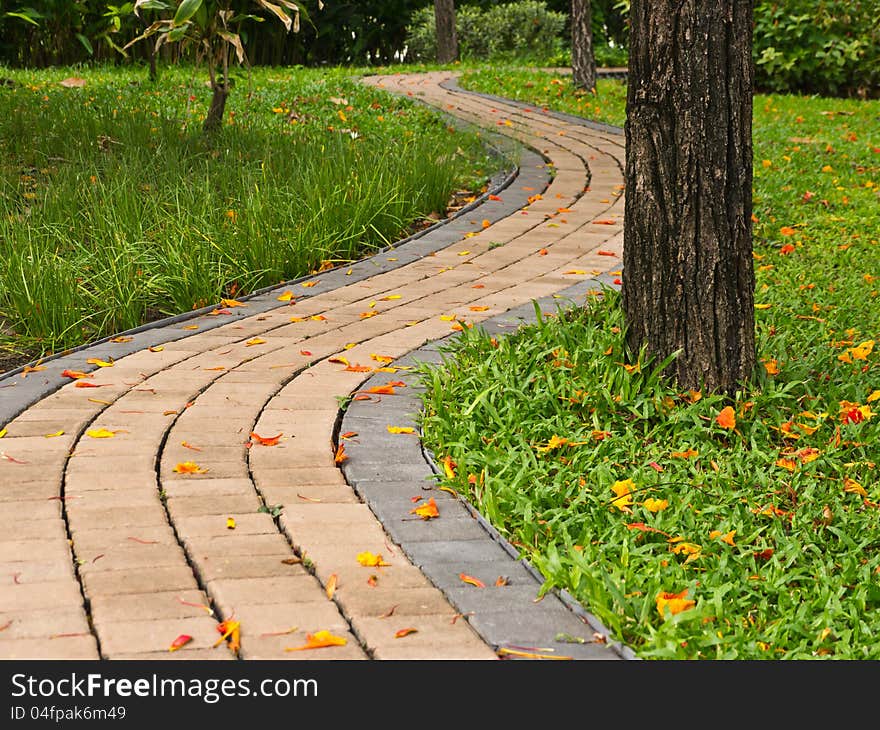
x,y
204,546
216,525
432,634
148,606
144,557
196,506
57,550
276,648
246,566
303,616
38,571
138,580
228,593
138,636
375,602
71,647
49,624
95,540
41,594
211,486
309,494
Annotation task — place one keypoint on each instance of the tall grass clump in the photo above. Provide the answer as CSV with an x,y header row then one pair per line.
x,y
115,208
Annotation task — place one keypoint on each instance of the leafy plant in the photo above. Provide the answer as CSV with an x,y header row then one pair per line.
x,y
830,47
525,29
212,27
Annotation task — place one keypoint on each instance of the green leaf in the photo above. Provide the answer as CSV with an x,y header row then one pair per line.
x,y
177,34
86,44
185,11
150,5
30,17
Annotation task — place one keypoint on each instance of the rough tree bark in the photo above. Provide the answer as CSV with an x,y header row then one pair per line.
x,y
688,277
447,40
583,60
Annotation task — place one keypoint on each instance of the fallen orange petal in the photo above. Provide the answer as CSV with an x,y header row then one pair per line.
x,y
370,560
76,374
188,467
404,632
319,640
180,641
266,440
465,578
340,455
427,511
100,433
504,651
726,418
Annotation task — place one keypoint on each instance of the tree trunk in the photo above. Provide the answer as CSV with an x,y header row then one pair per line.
x,y
447,40
214,119
688,277
583,62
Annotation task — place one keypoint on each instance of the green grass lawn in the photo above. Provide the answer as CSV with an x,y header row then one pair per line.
x,y
692,536
115,209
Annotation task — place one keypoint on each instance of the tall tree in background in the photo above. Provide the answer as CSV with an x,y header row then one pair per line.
x,y
583,61
688,278
447,40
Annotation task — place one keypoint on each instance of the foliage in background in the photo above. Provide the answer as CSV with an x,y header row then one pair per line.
x,y
829,47
691,535
525,29
139,215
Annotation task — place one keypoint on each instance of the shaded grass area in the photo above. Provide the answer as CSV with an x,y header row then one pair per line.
x,y
691,535
115,209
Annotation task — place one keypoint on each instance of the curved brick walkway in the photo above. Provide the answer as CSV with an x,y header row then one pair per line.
x,y
108,552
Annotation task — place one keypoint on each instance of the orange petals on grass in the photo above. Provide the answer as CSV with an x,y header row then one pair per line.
x,y
319,640
728,537
622,490
673,602
655,505
726,418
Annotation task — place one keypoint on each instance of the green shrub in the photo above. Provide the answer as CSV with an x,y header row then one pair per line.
x,y
829,47
525,29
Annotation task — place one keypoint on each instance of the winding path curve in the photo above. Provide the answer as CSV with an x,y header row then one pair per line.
x,y
108,552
